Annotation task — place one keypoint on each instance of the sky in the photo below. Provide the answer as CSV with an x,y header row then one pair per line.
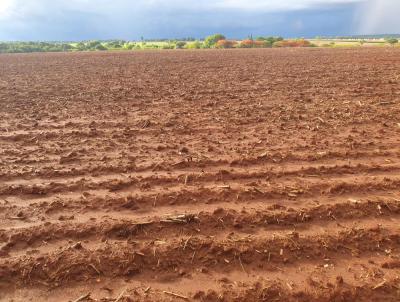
x,y
73,20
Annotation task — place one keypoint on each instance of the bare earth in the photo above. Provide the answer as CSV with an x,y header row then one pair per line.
x,y
243,175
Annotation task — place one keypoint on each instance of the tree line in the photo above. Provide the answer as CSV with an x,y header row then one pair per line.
x,y
213,41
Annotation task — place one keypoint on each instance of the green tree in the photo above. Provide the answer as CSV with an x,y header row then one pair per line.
x,y
180,45
115,44
210,41
3,47
92,44
270,40
130,45
100,47
392,41
81,46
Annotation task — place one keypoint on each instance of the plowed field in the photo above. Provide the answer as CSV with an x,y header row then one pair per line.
x,y
242,175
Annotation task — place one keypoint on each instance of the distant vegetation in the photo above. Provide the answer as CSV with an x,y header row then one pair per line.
x,y
357,41
392,41
365,37
213,41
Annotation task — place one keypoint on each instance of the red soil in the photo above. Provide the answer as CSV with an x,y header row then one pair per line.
x,y
237,175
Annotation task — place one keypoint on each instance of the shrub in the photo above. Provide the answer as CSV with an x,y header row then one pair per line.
x,y
168,46
271,40
130,46
92,44
80,46
210,41
247,43
262,44
194,45
151,46
114,44
225,44
180,45
100,47
392,41
255,43
293,43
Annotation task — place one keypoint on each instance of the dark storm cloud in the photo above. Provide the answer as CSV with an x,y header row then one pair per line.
x,y
105,19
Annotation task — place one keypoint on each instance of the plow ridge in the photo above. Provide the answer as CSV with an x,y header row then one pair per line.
x,y
76,262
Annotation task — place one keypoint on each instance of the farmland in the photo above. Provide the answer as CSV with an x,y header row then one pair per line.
x,y
207,175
